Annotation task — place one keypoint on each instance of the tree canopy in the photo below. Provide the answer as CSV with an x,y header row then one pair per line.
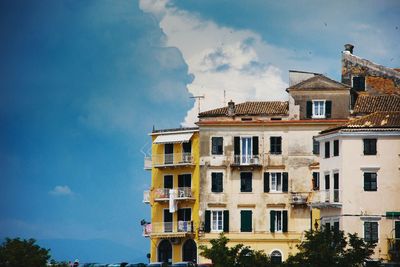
x,y
22,253
331,248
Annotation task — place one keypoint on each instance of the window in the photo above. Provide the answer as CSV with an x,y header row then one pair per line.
x,y
276,257
246,221
335,148
327,150
359,83
369,146
217,220
315,181
276,182
217,145
184,180
276,145
315,147
370,181
327,182
246,181
216,182
168,181
278,221
169,153
246,150
371,231
319,109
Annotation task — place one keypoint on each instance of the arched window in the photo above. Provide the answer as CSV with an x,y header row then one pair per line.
x,y
276,256
164,251
189,251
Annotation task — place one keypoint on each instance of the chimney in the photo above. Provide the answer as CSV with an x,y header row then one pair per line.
x,y
231,108
348,48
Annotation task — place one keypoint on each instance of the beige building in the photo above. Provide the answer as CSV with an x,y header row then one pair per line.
x,y
257,161
360,180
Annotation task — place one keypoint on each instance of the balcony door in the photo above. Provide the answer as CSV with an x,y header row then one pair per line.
x,y
164,251
336,187
184,220
245,150
168,224
169,153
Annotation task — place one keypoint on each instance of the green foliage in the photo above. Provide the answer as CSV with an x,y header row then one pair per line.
x,y
237,256
22,253
331,248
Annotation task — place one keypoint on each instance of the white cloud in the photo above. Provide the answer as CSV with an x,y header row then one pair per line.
x,y
226,63
61,190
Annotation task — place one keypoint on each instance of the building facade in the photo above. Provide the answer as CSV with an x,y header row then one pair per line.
x,y
257,162
173,196
360,181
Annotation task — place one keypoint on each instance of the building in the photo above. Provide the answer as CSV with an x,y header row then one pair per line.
x,y
257,162
174,195
360,180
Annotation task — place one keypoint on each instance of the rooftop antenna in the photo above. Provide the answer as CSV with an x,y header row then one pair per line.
x,y
198,97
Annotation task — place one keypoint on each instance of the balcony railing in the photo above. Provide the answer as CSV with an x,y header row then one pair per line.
x,y
167,160
179,227
327,198
246,160
163,194
298,198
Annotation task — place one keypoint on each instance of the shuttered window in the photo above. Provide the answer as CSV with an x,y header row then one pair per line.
x,y
359,83
246,181
217,145
315,147
327,150
246,220
369,146
278,221
276,145
371,231
335,148
315,181
216,182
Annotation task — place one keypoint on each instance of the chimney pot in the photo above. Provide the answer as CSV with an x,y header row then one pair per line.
x,y
349,48
231,108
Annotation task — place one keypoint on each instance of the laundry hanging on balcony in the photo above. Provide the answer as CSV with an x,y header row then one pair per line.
x,y
173,194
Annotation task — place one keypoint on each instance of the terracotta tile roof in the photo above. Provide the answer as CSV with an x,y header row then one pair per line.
x,y
251,108
366,104
377,120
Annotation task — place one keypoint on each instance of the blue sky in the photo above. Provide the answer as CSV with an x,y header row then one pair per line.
x,y
83,82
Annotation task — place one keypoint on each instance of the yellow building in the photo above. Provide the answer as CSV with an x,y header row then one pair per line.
x,y
174,195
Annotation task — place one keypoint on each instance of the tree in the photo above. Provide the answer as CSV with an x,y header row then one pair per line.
x,y
21,253
331,248
236,256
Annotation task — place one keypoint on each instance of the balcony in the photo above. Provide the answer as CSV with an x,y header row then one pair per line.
x,y
298,198
169,229
394,249
168,160
327,199
163,194
246,160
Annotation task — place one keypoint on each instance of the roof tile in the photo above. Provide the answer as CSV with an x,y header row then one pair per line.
x,y
251,108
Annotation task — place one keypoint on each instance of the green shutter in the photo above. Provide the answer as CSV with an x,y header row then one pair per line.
x,y
285,221
220,183
272,221
397,229
213,182
226,221
236,148
207,221
255,145
367,179
246,220
266,182
328,109
374,231
285,182
309,109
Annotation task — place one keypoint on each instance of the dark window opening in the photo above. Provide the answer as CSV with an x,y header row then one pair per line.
x,y
276,145
315,147
246,181
370,181
369,146
315,181
371,231
327,150
336,148
217,145
359,83
246,221
216,182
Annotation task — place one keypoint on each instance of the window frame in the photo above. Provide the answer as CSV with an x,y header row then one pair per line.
x,y
274,187
356,89
316,147
323,108
327,149
212,212
370,182
212,145
316,181
336,145
370,238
